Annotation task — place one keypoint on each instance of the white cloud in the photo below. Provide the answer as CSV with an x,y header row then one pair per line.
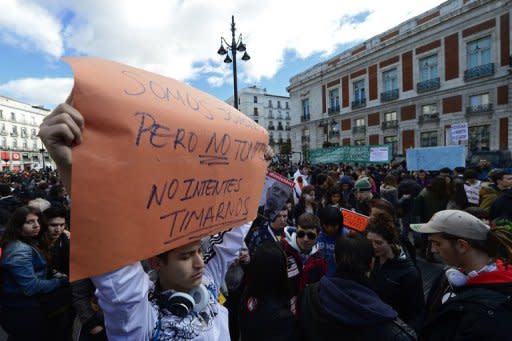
x,y
27,25
38,91
180,38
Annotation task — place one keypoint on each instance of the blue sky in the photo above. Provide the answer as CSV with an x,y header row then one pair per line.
x,y
179,39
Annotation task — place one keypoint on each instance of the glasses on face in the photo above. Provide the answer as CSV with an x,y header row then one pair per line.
x,y
310,235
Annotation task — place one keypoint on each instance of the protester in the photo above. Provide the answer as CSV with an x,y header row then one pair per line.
x,y
332,227
476,303
267,230
305,264
394,277
307,203
181,302
265,310
344,306
24,265
89,324
57,239
363,194
501,180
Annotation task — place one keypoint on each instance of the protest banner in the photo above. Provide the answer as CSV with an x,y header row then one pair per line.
x,y
360,154
162,164
354,220
459,131
435,158
276,191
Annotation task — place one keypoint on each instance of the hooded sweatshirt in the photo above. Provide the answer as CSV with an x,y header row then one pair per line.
x,y
481,309
303,268
348,308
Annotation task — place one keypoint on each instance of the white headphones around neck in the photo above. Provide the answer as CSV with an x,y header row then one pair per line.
x,y
181,304
457,278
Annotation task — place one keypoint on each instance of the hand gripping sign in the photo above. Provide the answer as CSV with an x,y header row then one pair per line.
x,y
162,164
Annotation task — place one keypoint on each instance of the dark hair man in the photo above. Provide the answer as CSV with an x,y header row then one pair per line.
x,y
476,303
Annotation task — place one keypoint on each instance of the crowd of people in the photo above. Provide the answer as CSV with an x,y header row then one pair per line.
x,y
296,274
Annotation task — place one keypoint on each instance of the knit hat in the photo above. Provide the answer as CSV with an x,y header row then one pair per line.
x,y
454,222
362,185
345,179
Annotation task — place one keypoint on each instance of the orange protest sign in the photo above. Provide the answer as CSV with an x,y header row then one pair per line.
x,y
162,164
354,220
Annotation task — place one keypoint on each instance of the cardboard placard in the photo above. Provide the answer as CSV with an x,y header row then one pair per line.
x,y
354,220
276,191
162,164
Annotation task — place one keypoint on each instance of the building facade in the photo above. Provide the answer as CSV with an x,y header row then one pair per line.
x,y
20,147
407,86
272,112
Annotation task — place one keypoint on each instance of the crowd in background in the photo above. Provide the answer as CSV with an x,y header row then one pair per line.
x,y
301,273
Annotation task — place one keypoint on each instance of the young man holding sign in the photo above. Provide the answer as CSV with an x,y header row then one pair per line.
x,y
181,302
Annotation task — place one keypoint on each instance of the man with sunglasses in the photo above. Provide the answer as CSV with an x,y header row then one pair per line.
x,y
305,263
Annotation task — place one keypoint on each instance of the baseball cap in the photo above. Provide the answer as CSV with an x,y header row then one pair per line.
x,y
362,185
454,222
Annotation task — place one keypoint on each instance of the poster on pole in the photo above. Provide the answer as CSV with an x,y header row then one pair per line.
x,y
459,132
435,158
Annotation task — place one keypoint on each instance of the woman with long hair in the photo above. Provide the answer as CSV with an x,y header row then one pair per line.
x,y
394,276
307,202
24,265
265,310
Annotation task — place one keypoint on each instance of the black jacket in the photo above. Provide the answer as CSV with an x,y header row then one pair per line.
x,y
346,309
480,310
398,283
267,318
502,207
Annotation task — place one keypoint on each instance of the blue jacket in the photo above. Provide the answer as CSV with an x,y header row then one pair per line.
x,y
326,245
24,271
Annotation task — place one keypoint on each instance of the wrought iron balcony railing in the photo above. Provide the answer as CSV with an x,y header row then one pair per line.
x,y
477,109
359,103
389,95
334,134
359,129
479,72
389,124
305,118
425,118
429,85
333,110
305,138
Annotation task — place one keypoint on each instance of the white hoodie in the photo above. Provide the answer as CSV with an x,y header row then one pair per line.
x,y
130,315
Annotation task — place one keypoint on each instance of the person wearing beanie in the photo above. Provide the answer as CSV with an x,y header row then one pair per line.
x,y
363,193
475,300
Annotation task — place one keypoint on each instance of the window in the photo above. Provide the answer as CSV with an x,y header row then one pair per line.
x,y
1,114
359,95
14,131
393,141
279,126
33,120
270,103
428,68
25,145
479,52
255,99
305,110
33,132
15,143
390,81
429,109
481,99
479,138
34,145
4,142
255,111
360,122
334,100
13,116
23,132
390,116
256,121
3,128
428,139
287,106
279,104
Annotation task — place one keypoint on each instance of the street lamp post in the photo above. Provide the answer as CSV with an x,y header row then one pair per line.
x,y
42,155
233,47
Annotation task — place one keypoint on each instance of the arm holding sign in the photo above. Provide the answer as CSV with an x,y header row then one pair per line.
x,y
134,307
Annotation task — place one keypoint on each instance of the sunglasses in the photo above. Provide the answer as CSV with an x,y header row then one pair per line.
x,y
301,234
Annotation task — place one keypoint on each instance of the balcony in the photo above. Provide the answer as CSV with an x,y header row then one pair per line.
x,y
479,109
429,85
305,118
359,103
280,141
390,95
280,128
3,133
359,129
390,124
14,134
479,72
271,128
288,128
333,134
334,110
288,118
427,118
270,116
271,141
279,117
305,138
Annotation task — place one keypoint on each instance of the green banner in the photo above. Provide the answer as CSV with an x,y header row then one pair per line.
x,y
360,154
